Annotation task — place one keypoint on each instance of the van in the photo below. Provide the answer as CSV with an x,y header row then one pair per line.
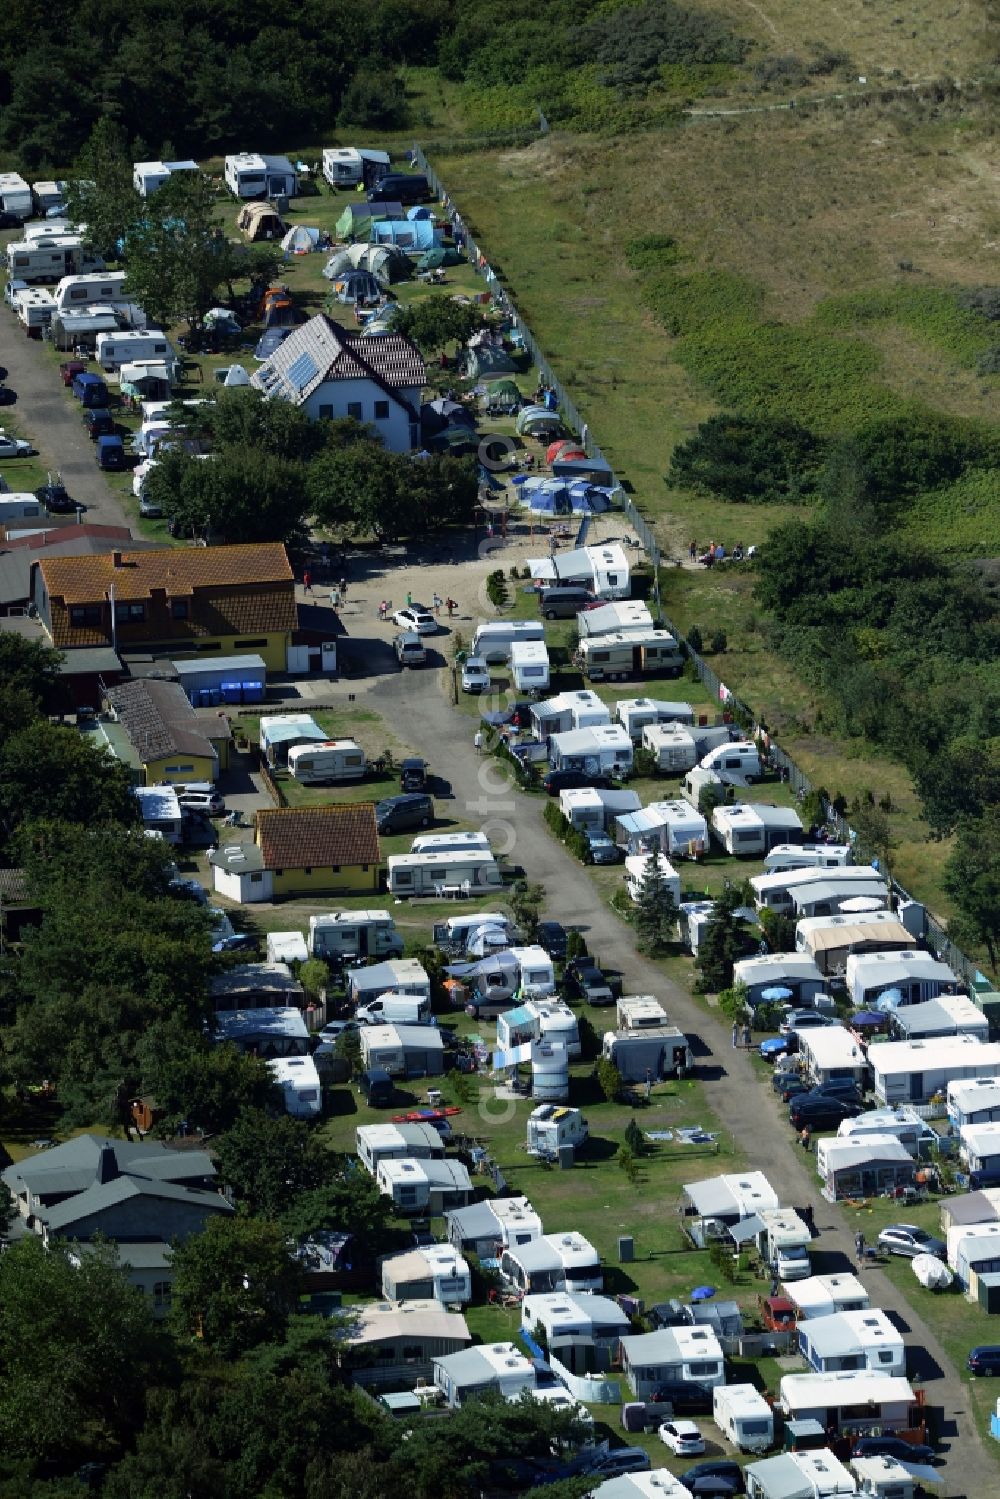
x,y
111,454
90,390
401,187
338,935
396,1009
398,814
564,603
378,1088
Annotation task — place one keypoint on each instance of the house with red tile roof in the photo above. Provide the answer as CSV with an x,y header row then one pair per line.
x,y
331,372
302,851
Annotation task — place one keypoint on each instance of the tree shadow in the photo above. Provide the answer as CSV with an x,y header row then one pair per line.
x,y
338,1103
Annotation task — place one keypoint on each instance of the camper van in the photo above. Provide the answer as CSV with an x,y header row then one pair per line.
x,y
633,653
116,349
529,666
493,639
743,1415
339,935
742,758
396,1009
327,762
436,874
15,196
96,288
787,856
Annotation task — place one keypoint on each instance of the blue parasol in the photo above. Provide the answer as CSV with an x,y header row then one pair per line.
x,y
702,1293
775,994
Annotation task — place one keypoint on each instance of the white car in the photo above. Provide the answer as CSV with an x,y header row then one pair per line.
x,y
682,1437
476,675
14,447
416,617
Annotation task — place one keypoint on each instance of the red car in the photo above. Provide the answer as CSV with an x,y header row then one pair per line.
x,y
69,370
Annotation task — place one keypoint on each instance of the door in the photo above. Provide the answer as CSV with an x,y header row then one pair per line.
x,y
637,660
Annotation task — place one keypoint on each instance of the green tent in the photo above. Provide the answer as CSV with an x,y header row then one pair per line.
x,y
456,440
434,260
504,390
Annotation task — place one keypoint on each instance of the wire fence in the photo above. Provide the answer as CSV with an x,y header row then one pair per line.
x,y
740,711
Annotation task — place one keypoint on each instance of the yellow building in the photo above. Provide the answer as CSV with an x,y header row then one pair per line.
x,y
157,732
178,602
302,851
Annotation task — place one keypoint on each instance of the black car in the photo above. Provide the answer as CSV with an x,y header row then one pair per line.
x,y
555,781
585,979
7,396
551,935
887,1446
99,422
842,1088
823,1111
413,775
685,1396
55,498
985,1359
729,1472
397,814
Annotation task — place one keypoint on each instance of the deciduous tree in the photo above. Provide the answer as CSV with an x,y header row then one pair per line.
x,y
234,1285
268,1161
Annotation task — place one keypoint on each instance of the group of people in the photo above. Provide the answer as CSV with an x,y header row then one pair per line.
x,y
716,552
742,1033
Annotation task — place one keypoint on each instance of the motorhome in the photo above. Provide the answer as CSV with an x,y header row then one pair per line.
x,y
50,259
604,749
471,873
147,176
634,653
529,666
300,1086
783,1242
672,747
128,347
348,166
449,843
638,868
339,935
493,638
15,196
327,762
743,1415
634,713
248,175
97,288
785,856
615,619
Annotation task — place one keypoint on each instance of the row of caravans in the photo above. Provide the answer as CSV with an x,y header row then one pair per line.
x,y
619,654
20,200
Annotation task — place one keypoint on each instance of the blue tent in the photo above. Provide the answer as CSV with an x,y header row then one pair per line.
x,y
419,211
553,497
408,234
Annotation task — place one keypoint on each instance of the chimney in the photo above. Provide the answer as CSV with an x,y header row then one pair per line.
x,y
107,1165
116,559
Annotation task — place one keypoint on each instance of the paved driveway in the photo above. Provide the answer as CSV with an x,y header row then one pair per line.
x,y
52,422
738,1097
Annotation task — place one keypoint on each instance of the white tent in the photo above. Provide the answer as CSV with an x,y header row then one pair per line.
x,y
236,375
300,240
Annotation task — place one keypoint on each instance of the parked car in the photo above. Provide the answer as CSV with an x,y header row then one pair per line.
x,y
908,1239
682,1437
209,802
70,368
728,1473
8,397
149,509
792,1086
775,1046
984,1359
551,935
237,942
821,1111
398,814
55,498
897,1447
685,1395
804,1020
413,774
14,447
409,648
334,1029
415,617
475,675
98,421
621,1460
585,979
602,850
378,1088
555,781
111,453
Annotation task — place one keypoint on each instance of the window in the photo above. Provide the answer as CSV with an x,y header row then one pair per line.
x,y
308,869
246,645
208,645
357,410
179,609
404,877
381,411
162,1293
702,1368
85,614
335,868
326,413
413,1354
130,613
256,879
885,1358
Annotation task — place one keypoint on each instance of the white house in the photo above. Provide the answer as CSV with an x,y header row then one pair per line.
x,y
914,1071
853,1340
604,749
815,1474
603,569
974,1102
491,1366
375,1143
594,808
431,1187
434,1273
147,176
780,970
582,709
916,975
553,1262
830,1051
673,1353
833,1399
329,372
825,1295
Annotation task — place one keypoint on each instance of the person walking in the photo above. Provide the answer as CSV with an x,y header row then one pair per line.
x,y
343,588
478,741
747,1035
805,1138
736,1032
409,599
859,1248
307,586
436,604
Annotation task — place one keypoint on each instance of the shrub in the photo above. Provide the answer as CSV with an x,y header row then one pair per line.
x,y
651,252
627,1161
644,762
719,643
496,589
694,639
609,1079
988,362
635,1139
748,459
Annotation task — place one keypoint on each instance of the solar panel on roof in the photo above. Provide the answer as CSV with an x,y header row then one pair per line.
x,y
301,371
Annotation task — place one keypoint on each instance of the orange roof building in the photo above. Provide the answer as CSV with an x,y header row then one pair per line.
x,y
302,851
179,601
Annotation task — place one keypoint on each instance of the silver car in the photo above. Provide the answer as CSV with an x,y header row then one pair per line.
x,y
909,1240
475,675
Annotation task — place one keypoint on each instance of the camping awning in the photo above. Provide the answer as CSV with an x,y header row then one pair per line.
x,y
893,933
746,1229
712,1198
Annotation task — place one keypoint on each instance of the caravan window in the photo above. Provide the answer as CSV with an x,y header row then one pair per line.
x,y
703,1368
601,656
746,837
404,876
354,760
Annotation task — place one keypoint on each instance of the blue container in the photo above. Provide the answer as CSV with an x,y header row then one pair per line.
x,y
215,696
253,692
204,697
232,692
